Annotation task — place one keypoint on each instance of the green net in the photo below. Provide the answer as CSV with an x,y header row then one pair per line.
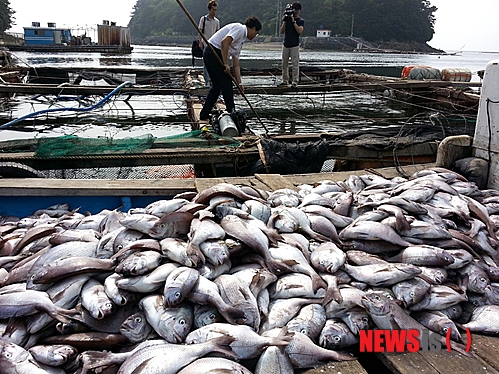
x,y
70,145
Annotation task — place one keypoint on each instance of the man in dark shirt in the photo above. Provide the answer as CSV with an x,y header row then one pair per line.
x,y
292,27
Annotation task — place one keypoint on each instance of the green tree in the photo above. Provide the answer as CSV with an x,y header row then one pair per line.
x,y
373,20
6,15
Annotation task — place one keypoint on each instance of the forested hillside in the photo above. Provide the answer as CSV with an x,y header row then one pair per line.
x,y
372,20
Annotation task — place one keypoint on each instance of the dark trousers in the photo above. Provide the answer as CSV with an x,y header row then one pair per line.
x,y
221,82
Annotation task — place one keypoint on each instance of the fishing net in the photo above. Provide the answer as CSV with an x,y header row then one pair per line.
x,y
70,145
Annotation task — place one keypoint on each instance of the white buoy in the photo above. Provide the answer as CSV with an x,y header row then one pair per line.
x,y
486,138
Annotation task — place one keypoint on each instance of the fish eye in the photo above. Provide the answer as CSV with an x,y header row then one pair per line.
x,y
303,331
182,322
178,295
212,316
445,329
138,319
337,338
482,279
412,294
365,319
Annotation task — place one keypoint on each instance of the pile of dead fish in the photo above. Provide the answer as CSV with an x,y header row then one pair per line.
x,y
244,280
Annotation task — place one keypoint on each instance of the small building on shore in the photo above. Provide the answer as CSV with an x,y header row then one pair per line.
x,y
50,35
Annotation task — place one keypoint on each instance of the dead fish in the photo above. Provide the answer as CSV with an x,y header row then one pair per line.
x,y
336,219
294,285
95,300
161,207
17,360
116,295
484,319
205,315
172,324
148,282
424,255
140,222
382,274
284,197
214,365
373,231
357,319
310,321
337,335
247,343
215,251
304,353
179,284
53,355
438,322
281,311
137,329
207,292
224,189
257,209
478,279
411,291
179,251
150,358
172,225
25,303
438,298
139,263
363,258
60,269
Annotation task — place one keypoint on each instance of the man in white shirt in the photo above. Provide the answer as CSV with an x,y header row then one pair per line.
x,y
227,42
209,25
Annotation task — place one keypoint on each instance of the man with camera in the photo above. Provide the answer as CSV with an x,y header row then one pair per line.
x,y
292,27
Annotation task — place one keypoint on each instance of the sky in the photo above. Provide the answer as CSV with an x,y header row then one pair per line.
x,y
461,24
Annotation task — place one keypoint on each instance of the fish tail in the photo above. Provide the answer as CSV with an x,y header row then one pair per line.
x,y
222,344
66,315
278,267
283,339
332,293
318,282
233,315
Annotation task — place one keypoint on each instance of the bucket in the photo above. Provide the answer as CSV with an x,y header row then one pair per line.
x,y
227,126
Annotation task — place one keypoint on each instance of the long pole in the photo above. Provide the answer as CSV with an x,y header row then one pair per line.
x,y
221,63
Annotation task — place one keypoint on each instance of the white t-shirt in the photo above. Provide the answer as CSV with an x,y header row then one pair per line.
x,y
239,34
211,26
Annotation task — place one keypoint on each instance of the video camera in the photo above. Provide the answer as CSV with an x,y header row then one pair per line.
x,y
289,11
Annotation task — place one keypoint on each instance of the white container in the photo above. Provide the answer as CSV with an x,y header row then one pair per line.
x,y
227,126
486,138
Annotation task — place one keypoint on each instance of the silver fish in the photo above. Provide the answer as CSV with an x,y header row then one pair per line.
x,y
214,365
215,251
53,355
424,255
294,285
139,263
161,207
95,300
438,298
149,282
179,251
309,321
172,225
484,319
382,274
140,222
273,361
14,359
172,324
179,284
411,291
357,319
150,357
337,335
137,329
373,231
438,322
205,315
247,343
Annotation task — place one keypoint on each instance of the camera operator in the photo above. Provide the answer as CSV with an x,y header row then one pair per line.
x,y
292,27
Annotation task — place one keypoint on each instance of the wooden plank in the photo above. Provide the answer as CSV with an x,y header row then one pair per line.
x,y
275,181
442,362
92,187
333,367
487,348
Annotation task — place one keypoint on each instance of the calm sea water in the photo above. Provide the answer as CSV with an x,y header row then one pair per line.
x,y
292,113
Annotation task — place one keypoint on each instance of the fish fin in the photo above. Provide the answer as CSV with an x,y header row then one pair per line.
x,y
195,254
332,293
279,267
318,282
